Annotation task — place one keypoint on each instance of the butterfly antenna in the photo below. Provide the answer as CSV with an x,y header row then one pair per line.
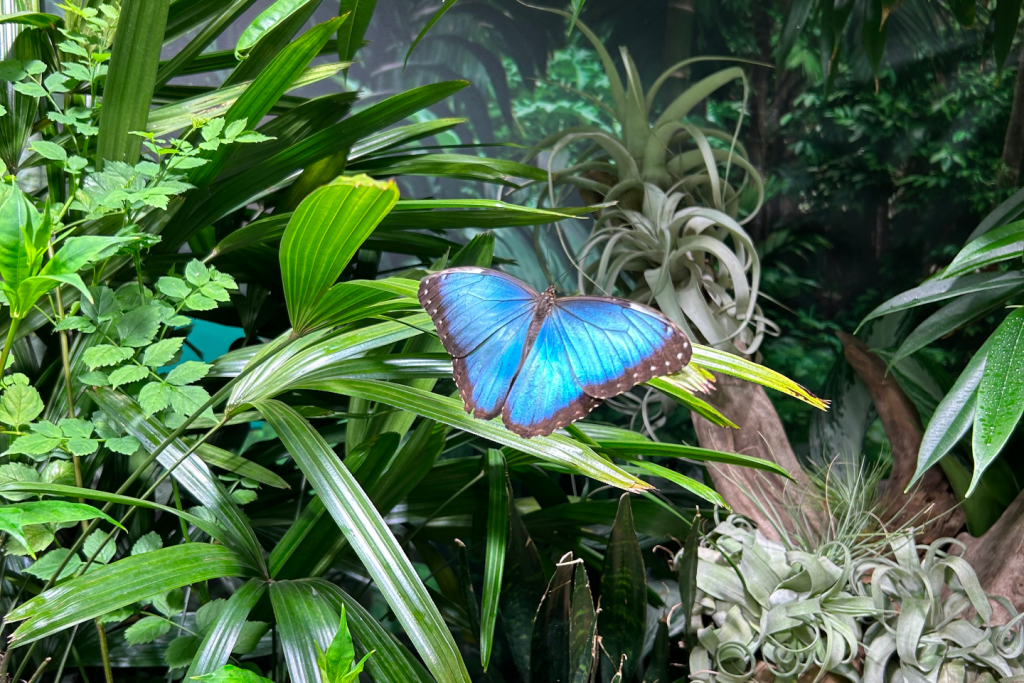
x,y
400,320
574,263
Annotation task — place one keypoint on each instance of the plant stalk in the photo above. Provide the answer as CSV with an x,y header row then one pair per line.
x,y
104,652
12,330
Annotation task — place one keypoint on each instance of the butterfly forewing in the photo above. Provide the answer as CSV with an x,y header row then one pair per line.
x,y
613,344
482,318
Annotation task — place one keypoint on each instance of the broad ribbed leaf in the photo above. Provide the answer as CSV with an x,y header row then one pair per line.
x,y
179,114
622,621
494,562
304,622
729,364
192,473
555,449
218,457
954,415
799,11
1000,244
128,87
1000,401
269,18
122,583
372,540
216,647
675,389
186,55
391,661
323,235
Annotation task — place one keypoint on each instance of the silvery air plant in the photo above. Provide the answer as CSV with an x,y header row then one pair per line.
x,y
682,192
898,613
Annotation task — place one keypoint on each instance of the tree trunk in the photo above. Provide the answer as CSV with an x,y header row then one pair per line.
x,y
760,435
1013,144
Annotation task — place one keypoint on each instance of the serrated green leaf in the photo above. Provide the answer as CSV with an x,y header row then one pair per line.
x,y
154,397
173,288
197,273
146,630
49,150
180,652
243,496
47,428
125,445
34,444
104,355
147,543
20,405
75,427
46,566
170,603
93,543
138,326
17,472
162,352
189,399
128,374
188,372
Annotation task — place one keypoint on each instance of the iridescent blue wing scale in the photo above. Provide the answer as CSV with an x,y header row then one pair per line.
x,y
589,349
482,319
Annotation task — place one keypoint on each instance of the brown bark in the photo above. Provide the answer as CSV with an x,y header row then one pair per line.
x,y
1013,143
998,556
761,435
932,500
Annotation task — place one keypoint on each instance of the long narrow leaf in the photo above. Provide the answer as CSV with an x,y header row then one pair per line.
x,y
556,449
729,364
305,622
494,563
372,540
215,650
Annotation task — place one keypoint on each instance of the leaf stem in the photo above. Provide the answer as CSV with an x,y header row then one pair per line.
x,y
104,652
12,330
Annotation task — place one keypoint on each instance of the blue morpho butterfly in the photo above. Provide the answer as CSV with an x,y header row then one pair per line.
x,y
541,361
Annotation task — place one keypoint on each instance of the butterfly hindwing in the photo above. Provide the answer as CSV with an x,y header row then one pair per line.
x,y
613,344
482,318
546,395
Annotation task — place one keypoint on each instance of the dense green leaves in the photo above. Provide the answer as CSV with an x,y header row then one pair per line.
x,y
372,541
122,583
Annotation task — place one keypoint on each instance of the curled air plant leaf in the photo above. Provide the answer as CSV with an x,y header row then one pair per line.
x,y
902,613
683,191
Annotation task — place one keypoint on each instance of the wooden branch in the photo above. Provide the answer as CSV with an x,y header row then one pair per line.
x,y
760,435
932,500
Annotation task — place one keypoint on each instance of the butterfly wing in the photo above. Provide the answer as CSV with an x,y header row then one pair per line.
x,y
482,319
546,394
614,344
589,349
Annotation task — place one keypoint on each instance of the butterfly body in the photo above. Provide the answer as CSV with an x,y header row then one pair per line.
x,y
539,360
